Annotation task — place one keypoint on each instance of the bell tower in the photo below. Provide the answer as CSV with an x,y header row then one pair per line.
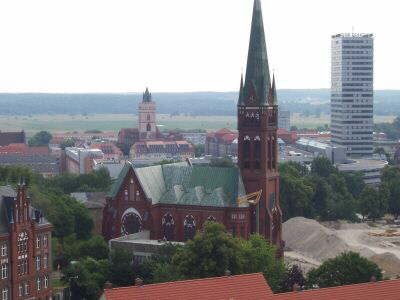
x,y
257,144
147,117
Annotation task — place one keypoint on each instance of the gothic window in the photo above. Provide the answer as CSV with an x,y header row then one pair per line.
x,y
131,222
148,117
4,271
4,294
257,152
168,225
246,152
189,227
148,127
132,190
126,195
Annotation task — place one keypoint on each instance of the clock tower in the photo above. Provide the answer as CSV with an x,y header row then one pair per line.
x,y
257,126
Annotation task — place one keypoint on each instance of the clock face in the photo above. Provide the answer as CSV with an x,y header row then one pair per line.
x,y
131,223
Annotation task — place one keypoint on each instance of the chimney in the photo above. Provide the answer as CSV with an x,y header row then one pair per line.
x,y
138,282
107,285
296,288
228,273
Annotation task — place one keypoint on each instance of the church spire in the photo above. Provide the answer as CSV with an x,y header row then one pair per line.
x,y
274,96
257,72
241,100
147,96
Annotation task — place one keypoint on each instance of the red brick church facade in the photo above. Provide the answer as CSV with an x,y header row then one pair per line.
x,y
174,201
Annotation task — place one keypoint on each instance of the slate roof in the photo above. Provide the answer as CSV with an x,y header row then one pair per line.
x,y
180,183
6,192
243,287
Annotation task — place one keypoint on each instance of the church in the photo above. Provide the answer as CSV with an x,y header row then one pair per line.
x,y
173,201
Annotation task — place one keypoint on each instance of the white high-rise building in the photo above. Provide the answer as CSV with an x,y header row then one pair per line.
x,y
352,92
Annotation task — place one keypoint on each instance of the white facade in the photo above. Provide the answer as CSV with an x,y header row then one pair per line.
x,y
352,93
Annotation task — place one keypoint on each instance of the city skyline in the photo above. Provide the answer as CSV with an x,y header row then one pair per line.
x,y
124,46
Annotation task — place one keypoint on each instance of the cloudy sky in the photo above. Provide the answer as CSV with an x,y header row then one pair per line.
x,y
181,45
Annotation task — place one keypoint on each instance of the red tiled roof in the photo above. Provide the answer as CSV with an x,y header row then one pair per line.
x,y
239,287
381,290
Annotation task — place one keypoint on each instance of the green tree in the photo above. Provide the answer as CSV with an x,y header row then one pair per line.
x,y
391,181
209,254
67,143
294,275
373,203
96,247
354,183
347,268
322,198
321,166
121,267
41,138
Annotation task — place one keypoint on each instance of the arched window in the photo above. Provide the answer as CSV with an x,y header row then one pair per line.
x,y
168,225
257,152
148,117
246,152
148,127
189,227
131,222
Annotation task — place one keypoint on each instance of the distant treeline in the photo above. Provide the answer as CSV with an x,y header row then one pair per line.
x,y
307,102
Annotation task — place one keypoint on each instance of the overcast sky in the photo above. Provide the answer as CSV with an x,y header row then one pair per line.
x,y
182,45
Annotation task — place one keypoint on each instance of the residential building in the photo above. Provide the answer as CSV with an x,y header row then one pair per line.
x,y
25,244
79,160
110,150
46,165
7,138
161,150
352,93
223,142
284,119
173,201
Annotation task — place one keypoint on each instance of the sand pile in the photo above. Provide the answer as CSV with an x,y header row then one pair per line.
x,y
388,262
311,239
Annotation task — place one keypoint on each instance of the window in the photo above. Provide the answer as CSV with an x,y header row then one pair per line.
x,y
45,240
126,195
4,250
20,290
46,281
38,240
26,288
148,127
189,227
45,260
4,271
38,284
5,293
37,263
168,225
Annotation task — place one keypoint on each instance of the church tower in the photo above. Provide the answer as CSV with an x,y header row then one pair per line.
x,y
147,117
257,126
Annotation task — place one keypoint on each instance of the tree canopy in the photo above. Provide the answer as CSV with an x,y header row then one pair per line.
x,y
42,138
347,268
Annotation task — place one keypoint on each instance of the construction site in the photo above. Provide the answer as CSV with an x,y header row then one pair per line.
x,y
309,243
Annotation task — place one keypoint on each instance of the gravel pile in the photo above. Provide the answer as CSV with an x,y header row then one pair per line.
x,y
311,239
388,262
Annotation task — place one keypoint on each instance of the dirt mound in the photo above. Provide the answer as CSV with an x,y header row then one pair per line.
x,y
388,262
311,239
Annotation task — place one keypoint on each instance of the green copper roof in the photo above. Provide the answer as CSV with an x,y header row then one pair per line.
x,y
257,72
180,183
147,96
117,183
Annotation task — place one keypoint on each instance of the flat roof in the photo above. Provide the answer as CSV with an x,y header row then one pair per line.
x,y
362,165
